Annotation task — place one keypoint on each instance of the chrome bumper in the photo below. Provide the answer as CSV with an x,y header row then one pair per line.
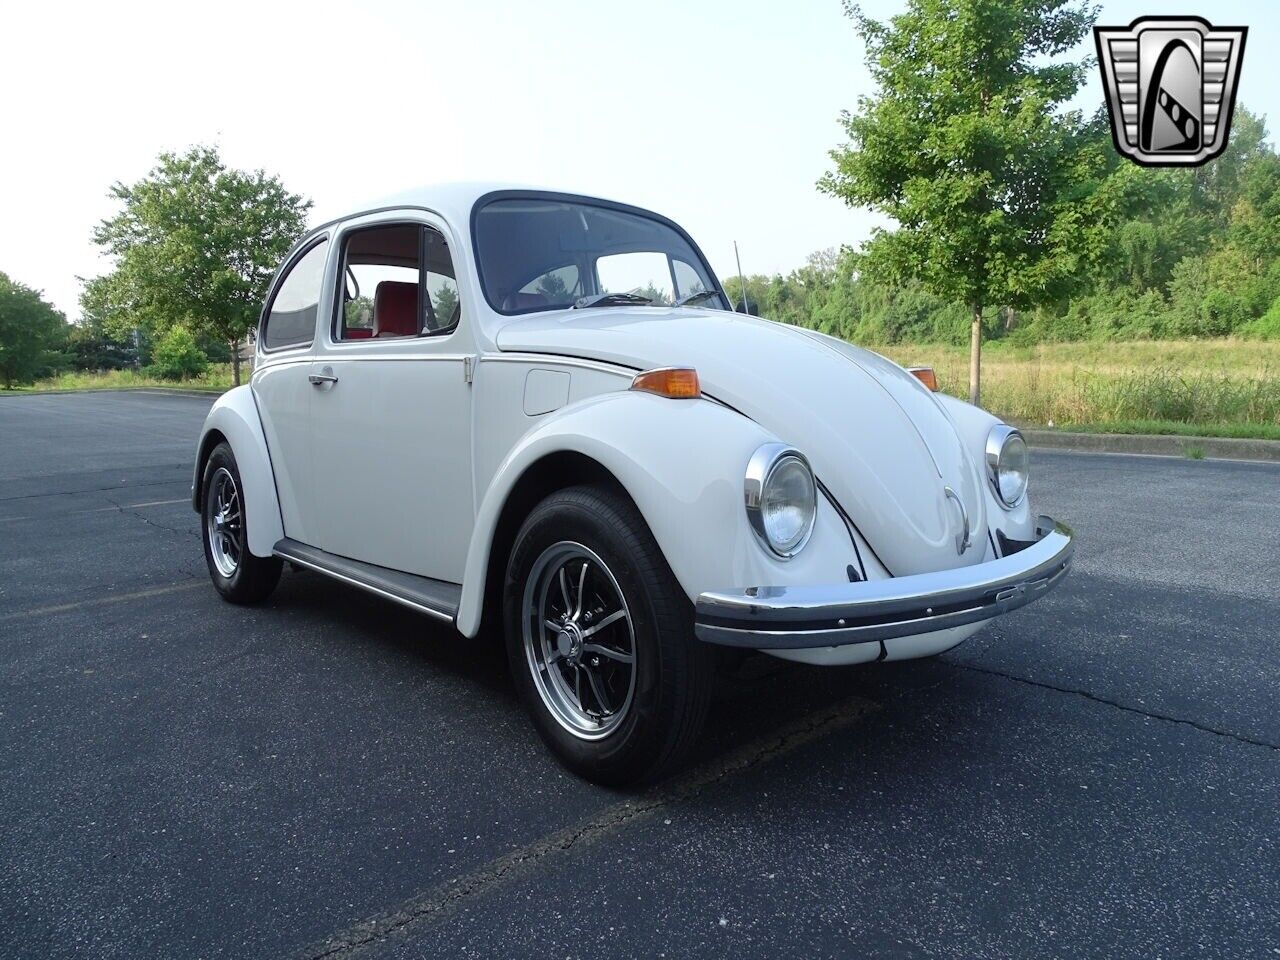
x,y
792,618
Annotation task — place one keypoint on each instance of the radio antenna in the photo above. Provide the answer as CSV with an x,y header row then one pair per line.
x,y
741,279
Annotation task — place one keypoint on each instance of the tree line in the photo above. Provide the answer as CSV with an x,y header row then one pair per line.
x,y
1197,254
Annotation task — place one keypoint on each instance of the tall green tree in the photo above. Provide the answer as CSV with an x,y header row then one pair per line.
x,y
444,301
994,188
32,334
195,245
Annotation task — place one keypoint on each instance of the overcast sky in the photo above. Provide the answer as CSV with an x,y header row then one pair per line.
x,y
718,113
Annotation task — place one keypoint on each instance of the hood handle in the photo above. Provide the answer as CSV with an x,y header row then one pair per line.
x,y
963,540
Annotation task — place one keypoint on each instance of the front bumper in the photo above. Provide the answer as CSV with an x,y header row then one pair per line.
x,y
796,618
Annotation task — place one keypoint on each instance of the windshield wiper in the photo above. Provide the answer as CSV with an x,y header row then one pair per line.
x,y
695,297
610,300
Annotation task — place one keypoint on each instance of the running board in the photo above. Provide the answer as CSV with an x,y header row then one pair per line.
x,y
432,597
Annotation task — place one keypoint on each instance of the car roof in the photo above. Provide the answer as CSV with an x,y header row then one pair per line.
x,y
454,201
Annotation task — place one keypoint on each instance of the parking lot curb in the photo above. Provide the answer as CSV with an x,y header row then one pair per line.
x,y
177,392
1212,448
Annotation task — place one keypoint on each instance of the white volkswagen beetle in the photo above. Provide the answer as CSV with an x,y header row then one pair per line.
x,y
537,411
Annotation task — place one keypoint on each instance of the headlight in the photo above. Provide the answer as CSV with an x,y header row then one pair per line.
x,y
781,498
1008,466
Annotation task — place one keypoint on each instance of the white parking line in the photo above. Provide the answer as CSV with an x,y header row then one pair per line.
x,y
149,503
99,601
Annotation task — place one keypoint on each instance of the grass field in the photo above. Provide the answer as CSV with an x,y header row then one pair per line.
x,y
1193,388
218,378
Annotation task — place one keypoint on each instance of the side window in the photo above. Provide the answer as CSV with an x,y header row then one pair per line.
x,y
381,270
385,273
291,322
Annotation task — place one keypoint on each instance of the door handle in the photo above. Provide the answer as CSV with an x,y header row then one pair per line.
x,y
318,379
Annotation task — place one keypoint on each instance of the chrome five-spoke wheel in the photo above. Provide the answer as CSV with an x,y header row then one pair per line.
x,y
579,640
599,635
225,520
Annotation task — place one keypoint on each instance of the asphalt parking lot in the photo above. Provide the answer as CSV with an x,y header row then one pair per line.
x,y
328,775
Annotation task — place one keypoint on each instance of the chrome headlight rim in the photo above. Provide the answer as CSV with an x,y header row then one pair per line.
x,y
764,463
997,439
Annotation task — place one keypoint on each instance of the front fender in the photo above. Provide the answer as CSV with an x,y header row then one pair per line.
x,y
683,463
235,416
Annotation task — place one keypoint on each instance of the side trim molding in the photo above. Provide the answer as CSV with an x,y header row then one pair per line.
x,y
435,598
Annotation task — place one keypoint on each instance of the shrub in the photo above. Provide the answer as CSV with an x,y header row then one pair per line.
x,y
1221,312
1117,313
910,314
1218,294
1266,327
177,356
1187,291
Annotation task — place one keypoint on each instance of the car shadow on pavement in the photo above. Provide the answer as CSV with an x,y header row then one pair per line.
x,y
754,695
364,619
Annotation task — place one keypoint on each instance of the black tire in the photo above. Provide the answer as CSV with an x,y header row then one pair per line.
x,y
672,671
253,578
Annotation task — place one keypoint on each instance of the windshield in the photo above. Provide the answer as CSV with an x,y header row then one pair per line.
x,y
547,254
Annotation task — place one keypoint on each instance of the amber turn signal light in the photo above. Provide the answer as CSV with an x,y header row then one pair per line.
x,y
678,383
926,376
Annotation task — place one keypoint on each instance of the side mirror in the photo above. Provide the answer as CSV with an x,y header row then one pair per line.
x,y
749,307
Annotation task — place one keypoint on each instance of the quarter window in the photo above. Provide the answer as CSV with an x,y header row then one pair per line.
x,y
688,280
291,321
443,307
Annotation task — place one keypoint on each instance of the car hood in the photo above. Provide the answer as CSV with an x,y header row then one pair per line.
x,y
878,440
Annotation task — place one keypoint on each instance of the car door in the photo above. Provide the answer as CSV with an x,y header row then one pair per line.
x,y
391,404
281,389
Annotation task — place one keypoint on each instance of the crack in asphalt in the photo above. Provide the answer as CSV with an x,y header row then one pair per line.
x,y
449,894
1154,715
73,493
129,511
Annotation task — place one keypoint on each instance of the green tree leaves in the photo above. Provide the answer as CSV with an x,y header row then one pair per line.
x,y
32,334
195,245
